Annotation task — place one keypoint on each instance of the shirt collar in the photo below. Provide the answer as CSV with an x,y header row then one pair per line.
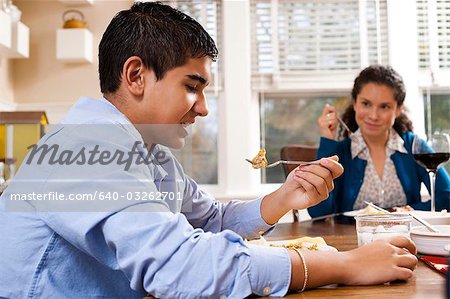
x,y
358,144
158,171
395,143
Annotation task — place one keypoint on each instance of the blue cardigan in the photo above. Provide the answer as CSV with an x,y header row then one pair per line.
x,y
410,174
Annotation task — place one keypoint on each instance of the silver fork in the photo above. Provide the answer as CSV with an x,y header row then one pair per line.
x,y
344,125
286,162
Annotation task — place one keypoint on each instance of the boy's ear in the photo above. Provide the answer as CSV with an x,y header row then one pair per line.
x,y
132,75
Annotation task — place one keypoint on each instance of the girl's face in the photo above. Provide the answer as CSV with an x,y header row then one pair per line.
x,y
376,110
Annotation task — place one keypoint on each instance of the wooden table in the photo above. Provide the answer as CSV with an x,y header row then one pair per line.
x,y
426,283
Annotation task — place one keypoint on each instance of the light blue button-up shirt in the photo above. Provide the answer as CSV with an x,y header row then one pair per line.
x,y
185,245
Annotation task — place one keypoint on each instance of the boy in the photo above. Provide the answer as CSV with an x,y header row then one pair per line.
x,y
154,65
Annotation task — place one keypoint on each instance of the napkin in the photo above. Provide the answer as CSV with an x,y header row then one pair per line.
x,y
438,263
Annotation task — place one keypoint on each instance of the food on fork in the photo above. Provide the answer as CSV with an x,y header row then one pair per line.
x,y
260,160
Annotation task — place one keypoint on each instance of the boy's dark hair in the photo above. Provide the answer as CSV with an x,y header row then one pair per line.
x,y
381,75
163,37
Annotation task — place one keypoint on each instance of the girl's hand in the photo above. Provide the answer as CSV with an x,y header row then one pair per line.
x,y
328,122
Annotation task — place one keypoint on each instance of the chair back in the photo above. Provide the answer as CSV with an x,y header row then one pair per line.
x,y
297,152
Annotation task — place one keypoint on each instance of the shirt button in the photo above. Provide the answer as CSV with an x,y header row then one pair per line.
x,y
267,290
223,297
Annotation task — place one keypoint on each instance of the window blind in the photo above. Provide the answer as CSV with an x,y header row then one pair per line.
x,y
290,36
377,32
423,38
433,28
443,33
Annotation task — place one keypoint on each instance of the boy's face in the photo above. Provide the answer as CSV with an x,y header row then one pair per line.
x,y
171,104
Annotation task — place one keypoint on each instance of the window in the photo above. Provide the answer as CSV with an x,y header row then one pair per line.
x,y
290,119
294,36
199,158
300,49
433,27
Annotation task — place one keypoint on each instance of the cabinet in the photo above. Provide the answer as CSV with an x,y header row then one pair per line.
x,y
14,38
5,31
74,45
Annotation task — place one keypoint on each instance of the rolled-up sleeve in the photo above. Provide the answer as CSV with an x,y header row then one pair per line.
x,y
270,270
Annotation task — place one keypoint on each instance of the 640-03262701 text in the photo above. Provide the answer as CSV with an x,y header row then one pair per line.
x,y
99,195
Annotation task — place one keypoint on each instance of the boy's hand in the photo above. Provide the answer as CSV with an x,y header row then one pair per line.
x,y
308,185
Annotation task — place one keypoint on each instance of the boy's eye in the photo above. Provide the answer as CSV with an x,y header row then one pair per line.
x,y
191,88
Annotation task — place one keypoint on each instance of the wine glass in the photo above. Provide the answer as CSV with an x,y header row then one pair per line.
x,y
431,155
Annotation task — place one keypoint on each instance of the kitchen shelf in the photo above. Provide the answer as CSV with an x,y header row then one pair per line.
x,y
20,46
74,45
14,38
5,33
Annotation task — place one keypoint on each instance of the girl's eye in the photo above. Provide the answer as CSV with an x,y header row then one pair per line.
x,y
385,107
191,88
365,104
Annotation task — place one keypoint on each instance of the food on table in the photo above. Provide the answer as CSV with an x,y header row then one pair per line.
x,y
370,211
303,243
260,160
308,243
406,208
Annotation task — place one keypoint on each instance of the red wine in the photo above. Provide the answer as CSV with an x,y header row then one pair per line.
x,y
431,161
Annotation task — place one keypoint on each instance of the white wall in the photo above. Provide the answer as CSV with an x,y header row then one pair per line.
x,y
6,86
42,82
404,58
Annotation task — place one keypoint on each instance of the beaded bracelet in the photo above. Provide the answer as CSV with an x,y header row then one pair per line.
x,y
305,268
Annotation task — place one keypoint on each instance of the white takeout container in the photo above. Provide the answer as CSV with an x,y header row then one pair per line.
x,y
430,242
434,218
370,228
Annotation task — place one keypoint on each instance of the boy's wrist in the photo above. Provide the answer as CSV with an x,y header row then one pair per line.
x,y
289,200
